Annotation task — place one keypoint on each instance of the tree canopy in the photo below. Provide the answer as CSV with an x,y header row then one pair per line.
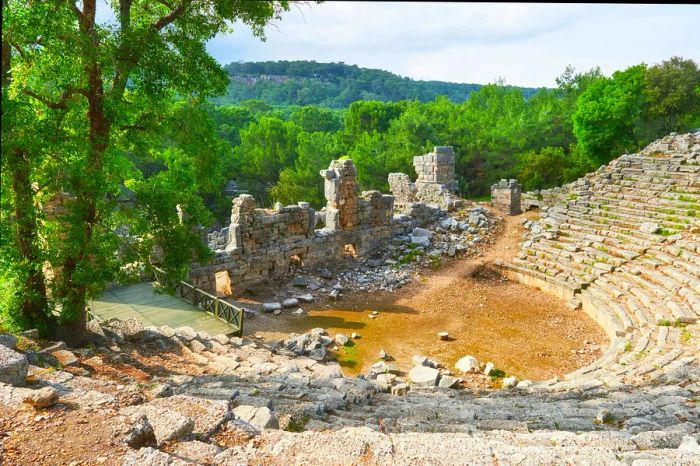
x,y
96,155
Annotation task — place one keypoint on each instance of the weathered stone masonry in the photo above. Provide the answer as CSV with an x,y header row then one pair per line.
x,y
435,184
505,195
264,242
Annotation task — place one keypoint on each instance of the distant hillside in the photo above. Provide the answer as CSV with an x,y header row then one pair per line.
x,y
334,85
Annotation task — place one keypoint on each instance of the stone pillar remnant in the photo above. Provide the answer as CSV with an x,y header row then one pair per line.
x,y
505,195
341,191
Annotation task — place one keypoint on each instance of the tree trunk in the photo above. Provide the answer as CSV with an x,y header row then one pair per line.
x,y
89,189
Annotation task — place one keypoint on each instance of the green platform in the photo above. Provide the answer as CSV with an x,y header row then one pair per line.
x,y
142,302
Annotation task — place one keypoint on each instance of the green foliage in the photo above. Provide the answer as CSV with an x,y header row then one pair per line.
x,y
334,85
267,147
608,113
499,132
302,181
89,110
672,90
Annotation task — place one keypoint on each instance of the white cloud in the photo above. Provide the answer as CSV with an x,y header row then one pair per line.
x,y
526,44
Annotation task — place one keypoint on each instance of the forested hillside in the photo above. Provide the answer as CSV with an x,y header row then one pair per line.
x,y
334,85
544,139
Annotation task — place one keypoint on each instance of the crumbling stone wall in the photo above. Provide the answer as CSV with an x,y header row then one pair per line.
x,y
266,242
403,189
435,184
505,195
255,229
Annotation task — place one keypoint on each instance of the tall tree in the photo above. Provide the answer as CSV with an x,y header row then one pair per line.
x,y
95,84
673,96
608,114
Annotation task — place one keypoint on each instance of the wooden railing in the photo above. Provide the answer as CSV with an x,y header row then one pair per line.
x,y
206,302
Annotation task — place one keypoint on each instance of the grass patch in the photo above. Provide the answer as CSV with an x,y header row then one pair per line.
x,y
350,353
686,336
410,256
434,262
497,374
628,347
297,424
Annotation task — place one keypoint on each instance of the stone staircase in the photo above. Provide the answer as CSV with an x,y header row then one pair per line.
x,y
625,247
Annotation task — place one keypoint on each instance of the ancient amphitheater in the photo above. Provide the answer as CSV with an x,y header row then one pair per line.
x,y
621,244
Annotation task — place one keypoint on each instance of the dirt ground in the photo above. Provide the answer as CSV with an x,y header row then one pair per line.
x,y
521,330
58,435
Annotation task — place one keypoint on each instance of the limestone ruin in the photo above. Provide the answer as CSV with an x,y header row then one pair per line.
x,y
262,243
505,196
435,185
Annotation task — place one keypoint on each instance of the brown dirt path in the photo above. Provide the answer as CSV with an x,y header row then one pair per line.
x,y
521,330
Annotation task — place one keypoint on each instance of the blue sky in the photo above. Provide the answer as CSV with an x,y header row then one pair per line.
x,y
525,44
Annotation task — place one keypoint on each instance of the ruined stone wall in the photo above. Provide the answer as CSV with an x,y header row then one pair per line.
x,y
505,195
403,189
254,229
267,242
435,184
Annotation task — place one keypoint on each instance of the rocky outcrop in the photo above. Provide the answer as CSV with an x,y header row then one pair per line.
x,y
13,367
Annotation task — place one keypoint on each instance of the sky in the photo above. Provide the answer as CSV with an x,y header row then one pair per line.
x,y
524,44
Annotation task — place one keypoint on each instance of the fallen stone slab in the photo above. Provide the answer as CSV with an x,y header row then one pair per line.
x,y
447,381
13,367
258,417
167,424
423,376
177,416
197,451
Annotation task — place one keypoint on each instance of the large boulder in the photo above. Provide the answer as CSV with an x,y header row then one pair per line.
x,y
13,367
